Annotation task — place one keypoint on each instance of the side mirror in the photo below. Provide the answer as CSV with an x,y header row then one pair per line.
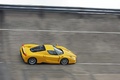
x,y
56,44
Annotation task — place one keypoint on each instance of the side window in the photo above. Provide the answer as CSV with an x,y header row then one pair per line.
x,y
37,49
42,48
52,52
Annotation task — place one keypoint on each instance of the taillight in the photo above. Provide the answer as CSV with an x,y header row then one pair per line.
x,y
24,54
22,44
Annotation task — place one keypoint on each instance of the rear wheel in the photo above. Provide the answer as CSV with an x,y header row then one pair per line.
x,y
64,61
32,61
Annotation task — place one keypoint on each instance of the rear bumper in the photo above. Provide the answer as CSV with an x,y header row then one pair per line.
x,y
25,58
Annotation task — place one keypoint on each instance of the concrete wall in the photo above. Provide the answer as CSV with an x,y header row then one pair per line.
x,y
89,47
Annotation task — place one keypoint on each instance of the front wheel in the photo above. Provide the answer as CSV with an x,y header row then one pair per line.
x,y
32,61
64,61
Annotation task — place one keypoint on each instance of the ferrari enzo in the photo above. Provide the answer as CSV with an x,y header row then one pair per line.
x,y
47,53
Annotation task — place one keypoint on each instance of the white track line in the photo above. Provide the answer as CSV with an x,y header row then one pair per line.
x,y
92,32
86,74
100,64
1,62
97,74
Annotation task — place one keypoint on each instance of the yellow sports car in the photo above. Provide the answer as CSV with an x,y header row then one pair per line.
x,y
47,53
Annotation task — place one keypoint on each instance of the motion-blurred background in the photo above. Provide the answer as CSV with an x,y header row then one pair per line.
x,y
91,32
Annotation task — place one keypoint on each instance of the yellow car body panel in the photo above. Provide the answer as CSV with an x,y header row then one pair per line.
x,y
45,56
49,47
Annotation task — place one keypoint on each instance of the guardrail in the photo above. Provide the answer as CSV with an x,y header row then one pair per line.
x,y
61,9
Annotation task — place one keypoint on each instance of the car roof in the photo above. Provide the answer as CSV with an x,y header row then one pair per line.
x,y
49,47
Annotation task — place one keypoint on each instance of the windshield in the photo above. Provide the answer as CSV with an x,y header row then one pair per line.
x,y
58,51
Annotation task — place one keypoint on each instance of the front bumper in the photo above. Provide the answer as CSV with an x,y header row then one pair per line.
x,y
72,60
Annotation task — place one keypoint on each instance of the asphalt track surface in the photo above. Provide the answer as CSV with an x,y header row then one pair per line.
x,y
97,46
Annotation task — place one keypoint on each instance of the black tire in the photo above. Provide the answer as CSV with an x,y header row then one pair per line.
x,y
64,61
32,61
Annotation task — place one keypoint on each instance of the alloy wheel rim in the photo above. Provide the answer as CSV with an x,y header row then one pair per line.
x,y
32,61
64,61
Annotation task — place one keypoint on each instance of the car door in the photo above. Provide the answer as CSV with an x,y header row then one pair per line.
x,y
40,56
52,57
